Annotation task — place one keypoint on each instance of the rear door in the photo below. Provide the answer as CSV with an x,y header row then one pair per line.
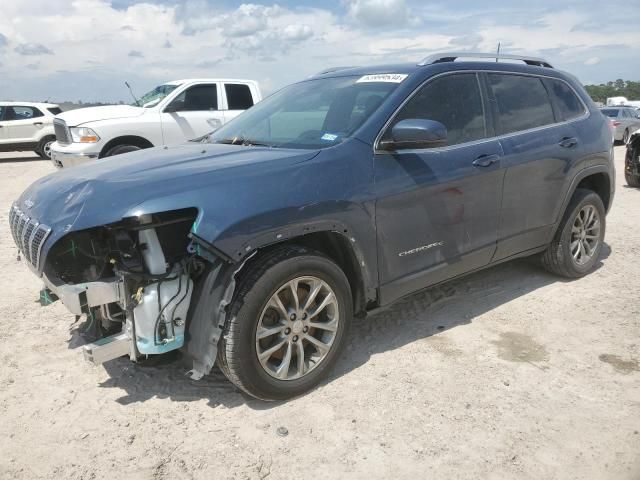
x,y
437,209
238,98
23,123
540,146
192,114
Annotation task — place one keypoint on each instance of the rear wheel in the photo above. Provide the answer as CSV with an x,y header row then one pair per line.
x,y
576,246
120,149
44,147
286,325
625,137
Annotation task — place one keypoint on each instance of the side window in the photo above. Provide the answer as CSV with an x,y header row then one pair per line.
x,y
196,98
568,104
454,101
23,113
238,96
55,110
522,102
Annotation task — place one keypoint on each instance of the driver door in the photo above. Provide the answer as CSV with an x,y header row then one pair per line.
x,y
437,209
192,114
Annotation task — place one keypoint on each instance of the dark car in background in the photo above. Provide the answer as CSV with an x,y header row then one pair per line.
x,y
329,199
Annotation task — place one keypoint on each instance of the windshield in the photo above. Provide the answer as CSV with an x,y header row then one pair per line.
x,y
610,112
312,114
155,96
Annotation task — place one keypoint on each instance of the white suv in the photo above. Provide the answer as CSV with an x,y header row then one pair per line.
x,y
170,113
27,127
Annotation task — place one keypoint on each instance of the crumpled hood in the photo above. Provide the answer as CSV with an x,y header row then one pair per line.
x,y
153,180
79,116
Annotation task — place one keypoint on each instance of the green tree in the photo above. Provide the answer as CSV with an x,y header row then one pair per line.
x,y
619,88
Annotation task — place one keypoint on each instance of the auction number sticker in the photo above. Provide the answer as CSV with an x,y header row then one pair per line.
x,y
383,77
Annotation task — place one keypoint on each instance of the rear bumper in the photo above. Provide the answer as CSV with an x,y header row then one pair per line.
x,y
66,160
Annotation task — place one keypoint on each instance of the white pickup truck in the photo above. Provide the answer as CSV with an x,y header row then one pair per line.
x,y
174,112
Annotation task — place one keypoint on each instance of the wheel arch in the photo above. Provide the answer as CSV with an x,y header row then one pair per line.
x,y
341,250
596,178
136,140
335,241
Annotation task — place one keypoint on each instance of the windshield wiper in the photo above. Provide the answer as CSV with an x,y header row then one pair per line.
x,y
243,141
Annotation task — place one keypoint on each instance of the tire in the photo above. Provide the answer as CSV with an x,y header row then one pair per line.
x,y
625,137
632,180
559,257
120,149
44,147
631,169
239,346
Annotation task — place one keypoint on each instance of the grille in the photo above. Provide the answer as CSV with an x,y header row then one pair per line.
x,y
61,131
28,234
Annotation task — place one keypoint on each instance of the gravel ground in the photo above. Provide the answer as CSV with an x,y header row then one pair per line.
x,y
508,373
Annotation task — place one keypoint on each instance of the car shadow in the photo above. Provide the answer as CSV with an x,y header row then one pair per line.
x,y
450,305
4,158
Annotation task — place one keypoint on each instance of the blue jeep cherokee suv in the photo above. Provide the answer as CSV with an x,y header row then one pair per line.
x,y
337,195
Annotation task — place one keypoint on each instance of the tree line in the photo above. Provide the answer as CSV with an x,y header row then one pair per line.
x,y
619,88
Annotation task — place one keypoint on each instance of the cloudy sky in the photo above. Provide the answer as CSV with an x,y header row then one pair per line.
x,y
86,49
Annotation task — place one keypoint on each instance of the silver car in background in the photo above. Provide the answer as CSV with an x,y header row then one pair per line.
x,y
625,121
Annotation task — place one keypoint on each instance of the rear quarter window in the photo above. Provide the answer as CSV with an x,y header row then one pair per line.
x,y
522,102
567,102
54,110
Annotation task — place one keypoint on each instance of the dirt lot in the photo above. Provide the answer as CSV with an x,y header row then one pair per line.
x,y
508,373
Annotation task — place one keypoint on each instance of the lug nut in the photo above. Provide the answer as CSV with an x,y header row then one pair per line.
x,y
287,331
305,329
293,317
304,316
295,338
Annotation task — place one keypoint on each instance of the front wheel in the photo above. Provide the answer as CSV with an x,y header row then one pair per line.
x,y
120,149
286,325
576,246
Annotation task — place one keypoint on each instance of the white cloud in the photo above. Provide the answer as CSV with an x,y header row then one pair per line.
x,y
379,13
93,45
592,61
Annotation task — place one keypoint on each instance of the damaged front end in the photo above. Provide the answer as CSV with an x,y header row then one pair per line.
x,y
134,280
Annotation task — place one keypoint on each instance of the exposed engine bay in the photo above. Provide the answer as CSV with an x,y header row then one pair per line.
x,y
134,281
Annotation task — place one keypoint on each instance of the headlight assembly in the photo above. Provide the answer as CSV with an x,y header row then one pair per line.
x,y
83,135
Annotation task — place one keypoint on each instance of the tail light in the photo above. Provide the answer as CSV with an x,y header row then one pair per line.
x,y
615,123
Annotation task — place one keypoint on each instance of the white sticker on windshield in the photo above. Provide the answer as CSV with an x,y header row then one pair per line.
x,y
330,137
383,77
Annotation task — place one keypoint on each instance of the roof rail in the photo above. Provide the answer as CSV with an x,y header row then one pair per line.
x,y
452,56
331,70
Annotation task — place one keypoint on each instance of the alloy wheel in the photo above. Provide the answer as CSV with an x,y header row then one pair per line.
x,y
297,328
47,149
585,234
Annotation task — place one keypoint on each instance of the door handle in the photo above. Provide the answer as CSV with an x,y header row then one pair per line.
x,y
568,142
486,160
37,123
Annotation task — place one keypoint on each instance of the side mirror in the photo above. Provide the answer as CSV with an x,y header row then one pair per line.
x,y
416,133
